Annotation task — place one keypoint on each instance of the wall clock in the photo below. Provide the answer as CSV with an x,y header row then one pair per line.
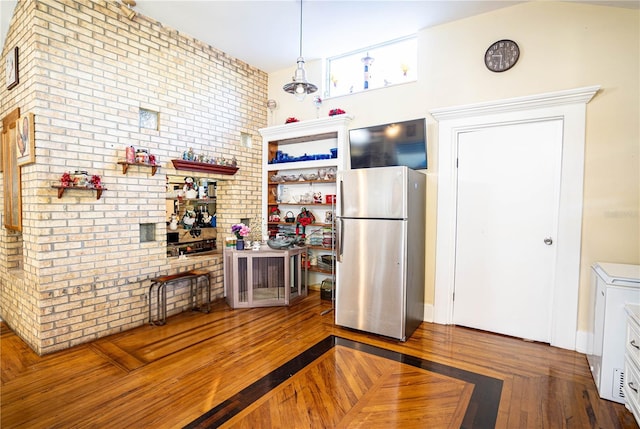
x,y
11,68
501,55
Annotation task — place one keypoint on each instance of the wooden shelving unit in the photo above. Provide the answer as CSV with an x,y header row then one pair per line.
x,y
303,140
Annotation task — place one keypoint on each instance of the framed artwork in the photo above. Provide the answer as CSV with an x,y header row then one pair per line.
x,y
11,68
25,140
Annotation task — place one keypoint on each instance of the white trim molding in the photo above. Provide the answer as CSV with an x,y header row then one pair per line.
x,y
570,107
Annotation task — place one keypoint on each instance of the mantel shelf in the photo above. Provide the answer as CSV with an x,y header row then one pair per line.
x,y
61,190
125,166
203,167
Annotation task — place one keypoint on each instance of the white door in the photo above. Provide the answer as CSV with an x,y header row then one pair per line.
x,y
508,202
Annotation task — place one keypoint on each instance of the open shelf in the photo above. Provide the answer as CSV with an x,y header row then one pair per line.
x,y
302,204
203,167
316,224
319,163
125,166
301,182
61,190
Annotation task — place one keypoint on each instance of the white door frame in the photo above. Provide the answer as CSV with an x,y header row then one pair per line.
x,y
570,107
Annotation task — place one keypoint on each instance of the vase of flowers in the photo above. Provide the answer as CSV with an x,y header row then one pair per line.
x,y
241,231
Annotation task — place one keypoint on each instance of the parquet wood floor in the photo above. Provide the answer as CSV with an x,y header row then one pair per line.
x,y
208,365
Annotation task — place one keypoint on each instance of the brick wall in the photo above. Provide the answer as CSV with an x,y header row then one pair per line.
x,y
85,73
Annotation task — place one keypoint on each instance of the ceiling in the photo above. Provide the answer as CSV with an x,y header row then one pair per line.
x,y
266,33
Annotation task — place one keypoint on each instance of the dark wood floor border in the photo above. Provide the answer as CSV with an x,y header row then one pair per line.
x,y
481,412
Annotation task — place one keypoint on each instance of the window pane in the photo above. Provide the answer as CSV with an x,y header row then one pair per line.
x,y
374,67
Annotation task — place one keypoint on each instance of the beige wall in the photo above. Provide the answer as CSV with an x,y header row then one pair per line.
x,y
85,70
563,46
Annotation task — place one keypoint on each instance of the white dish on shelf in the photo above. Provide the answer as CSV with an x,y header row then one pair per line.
x,y
310,176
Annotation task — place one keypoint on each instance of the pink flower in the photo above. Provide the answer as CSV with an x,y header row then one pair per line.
x,y
240,230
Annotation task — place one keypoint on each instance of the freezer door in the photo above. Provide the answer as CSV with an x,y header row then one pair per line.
x,y
373,193
370,288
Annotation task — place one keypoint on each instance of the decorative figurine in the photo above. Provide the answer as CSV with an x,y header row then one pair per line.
x,y
173,224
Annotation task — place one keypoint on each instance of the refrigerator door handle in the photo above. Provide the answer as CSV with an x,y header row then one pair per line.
x,y
339,236
340,199
339,239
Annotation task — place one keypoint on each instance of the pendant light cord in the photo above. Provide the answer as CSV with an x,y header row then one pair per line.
x,y
300,29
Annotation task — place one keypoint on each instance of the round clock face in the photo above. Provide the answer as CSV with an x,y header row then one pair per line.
x,y
502,55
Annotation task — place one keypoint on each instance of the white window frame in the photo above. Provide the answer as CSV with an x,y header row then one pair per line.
x,y
411,73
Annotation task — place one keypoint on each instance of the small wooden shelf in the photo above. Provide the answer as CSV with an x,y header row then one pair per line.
x,y
315,269
203,167
328,249
125,166
61,190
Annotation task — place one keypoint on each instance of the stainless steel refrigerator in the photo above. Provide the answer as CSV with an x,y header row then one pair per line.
x,y
381,250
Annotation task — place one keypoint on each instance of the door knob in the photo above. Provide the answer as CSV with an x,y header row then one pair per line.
x,y
548,241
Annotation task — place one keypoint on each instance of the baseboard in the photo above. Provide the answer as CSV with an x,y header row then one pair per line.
x,y
428,313
584,342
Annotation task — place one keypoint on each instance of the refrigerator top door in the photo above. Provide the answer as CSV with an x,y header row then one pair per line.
x,y
373,193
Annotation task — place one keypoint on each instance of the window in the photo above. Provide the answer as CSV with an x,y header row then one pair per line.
x,y
377,66
12,185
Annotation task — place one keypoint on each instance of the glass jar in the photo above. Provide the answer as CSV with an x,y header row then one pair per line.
x,y
81,178
142,156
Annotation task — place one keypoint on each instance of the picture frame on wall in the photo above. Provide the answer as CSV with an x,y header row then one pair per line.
x,y
11,68
25,140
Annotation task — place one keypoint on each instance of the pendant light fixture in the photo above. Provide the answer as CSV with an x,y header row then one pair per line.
x,y
300,87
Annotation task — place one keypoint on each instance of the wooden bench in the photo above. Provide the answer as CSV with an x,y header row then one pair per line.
x,y
161,283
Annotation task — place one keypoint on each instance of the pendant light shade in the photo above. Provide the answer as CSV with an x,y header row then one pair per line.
x,y
299,86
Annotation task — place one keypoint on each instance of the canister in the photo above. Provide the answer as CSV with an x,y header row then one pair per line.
x,y
131,154
142,156
82,178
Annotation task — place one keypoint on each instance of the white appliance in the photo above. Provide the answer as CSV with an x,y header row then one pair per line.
x,y
380,250
613,286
